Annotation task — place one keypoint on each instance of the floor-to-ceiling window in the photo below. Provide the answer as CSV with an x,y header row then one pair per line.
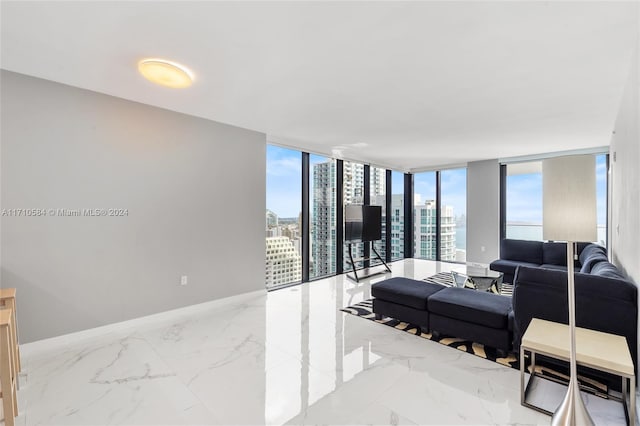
x,y
524,199
601,197
397,215
453,219
424,215
322,216
377,197
353,193
282,217
306,196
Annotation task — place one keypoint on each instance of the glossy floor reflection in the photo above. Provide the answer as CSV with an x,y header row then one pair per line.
x,y
288,356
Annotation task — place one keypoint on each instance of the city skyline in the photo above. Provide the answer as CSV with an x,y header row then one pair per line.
x,y
284,182
284,193
322,200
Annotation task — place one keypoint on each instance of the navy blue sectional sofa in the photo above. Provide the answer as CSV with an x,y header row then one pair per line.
x,y
536,254
605,300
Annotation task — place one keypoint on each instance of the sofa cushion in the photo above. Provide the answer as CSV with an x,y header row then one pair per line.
x,y
593,259
589,251
581,246
555,283
405,291
476,307
521,250
554,254
606,269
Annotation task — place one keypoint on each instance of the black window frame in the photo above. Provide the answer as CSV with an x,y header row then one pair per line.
x,y
339,225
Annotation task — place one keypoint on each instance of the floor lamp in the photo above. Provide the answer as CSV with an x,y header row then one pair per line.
x,y
569,214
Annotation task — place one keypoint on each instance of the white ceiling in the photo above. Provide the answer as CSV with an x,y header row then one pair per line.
x,y
402,85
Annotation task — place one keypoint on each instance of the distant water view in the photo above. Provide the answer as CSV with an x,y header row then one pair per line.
x,y
534,232
522,232
461,237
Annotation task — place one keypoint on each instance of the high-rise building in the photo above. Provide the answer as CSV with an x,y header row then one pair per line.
x,y
424,235
274,232
353,193
377,197
448,234
397,226
283,257
424,229
271,219
283,262
353,183
323,220
324,216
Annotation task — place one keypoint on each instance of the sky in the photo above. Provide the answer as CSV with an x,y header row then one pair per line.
x,y
284,181
453,188
524,192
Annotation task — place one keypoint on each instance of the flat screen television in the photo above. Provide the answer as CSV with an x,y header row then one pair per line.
x,y
362,223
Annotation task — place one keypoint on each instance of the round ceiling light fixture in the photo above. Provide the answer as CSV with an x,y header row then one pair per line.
x,y
166,73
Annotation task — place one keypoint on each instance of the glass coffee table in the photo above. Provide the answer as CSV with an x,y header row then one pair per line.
x,y
479,278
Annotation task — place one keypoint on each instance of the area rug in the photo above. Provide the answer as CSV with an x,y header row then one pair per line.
x,y
365,310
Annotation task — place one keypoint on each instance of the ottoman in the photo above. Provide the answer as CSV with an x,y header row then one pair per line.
x,y
472,315
404,299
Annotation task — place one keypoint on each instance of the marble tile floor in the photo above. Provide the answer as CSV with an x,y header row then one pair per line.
x,y
284,357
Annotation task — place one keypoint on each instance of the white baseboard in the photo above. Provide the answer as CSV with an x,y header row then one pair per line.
x,y
57,342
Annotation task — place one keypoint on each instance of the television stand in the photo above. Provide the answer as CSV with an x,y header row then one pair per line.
x,y
353,262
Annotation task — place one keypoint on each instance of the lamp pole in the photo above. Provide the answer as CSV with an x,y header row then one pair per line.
x,y
572,411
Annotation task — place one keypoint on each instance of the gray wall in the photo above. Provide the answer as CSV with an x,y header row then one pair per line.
x,y
194,190
624,219
483,211
625,185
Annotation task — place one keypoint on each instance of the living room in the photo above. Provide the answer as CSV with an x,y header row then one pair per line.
x,y
133,227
